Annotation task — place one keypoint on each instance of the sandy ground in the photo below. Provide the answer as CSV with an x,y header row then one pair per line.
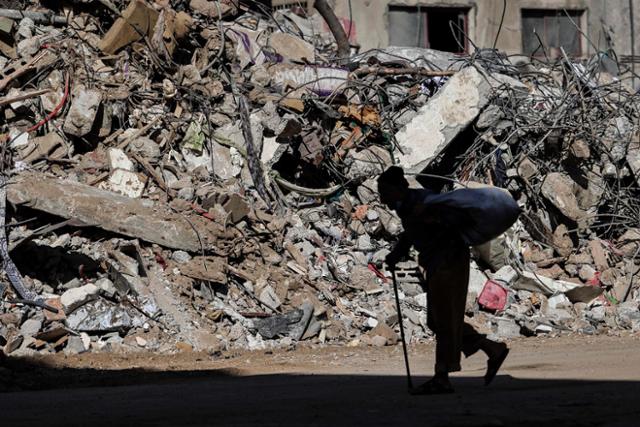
x,y
569,381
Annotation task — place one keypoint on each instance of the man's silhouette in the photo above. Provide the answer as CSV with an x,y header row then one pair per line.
x,y
444,258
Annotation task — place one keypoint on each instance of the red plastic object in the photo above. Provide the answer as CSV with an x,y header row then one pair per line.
x,y
595,280
493,296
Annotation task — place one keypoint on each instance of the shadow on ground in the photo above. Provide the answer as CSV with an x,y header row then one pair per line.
x,y
44,396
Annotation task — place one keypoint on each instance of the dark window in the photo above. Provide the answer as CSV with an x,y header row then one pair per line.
x,y
440,28
554,29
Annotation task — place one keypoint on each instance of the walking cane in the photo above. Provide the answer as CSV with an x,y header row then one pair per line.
x,y
404,341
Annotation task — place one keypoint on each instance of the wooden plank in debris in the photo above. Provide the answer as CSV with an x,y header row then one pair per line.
x,y
142,219
137,20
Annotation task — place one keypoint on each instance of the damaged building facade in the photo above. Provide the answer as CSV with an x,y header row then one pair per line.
x,y
580,26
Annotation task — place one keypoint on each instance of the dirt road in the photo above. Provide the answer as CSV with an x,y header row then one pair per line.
x,y
584,381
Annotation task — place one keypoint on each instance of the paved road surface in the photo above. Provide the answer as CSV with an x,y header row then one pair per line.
x,y
591,381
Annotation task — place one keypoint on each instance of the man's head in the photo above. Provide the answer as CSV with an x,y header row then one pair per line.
x,y
392,186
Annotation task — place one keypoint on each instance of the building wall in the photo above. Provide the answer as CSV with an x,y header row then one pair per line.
x,y
370,21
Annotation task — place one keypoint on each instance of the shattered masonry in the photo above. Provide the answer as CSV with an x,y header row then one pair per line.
x,y
201,176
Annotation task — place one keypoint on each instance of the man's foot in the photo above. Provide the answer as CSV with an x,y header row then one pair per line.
x,y
433,386
497,356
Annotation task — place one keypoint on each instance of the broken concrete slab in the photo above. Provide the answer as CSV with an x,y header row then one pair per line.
x,y
438,122
143,219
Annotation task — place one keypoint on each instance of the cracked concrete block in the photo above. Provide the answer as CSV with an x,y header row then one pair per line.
x,y
82,113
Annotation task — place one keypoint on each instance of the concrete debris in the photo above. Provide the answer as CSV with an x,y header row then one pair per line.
x,y
448,113
102,316
76,297
558,189
83,111
125,182
202,184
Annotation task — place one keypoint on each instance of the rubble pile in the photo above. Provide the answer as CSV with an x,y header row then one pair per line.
x,y
201,175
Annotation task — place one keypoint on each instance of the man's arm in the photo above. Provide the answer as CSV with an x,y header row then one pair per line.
x,y
399,251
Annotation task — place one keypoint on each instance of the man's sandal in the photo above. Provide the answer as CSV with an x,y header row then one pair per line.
x,y
493,366
431,387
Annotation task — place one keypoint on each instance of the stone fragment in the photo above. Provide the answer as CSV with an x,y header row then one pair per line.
x,y
536,283
586,273
557,188
385,331
527,169
579,259
442,118
30,327
147,148
599,255
553,272
477,280
213,9
292,48
82,112
596,314
543,329
126,183
181,257
269,297
74,298
609,277
74,345
562,241
559,301
107,288
378,341
628,315
225,165
579,149
364,243
141,342
237,208
506,328
506,276
119,160
629,242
